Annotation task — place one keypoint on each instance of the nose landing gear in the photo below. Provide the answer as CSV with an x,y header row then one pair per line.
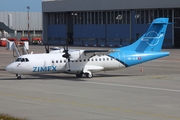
x,y
18,76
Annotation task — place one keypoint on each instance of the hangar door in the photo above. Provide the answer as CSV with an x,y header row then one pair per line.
x,y
177,28
177,37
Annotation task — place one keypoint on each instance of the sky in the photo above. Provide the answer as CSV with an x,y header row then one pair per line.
x,y
20,5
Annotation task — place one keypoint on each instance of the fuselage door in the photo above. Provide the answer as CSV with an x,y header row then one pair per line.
x,y
121,58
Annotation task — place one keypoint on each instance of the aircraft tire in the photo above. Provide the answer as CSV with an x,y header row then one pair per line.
x,y
89,75
19,77
79,75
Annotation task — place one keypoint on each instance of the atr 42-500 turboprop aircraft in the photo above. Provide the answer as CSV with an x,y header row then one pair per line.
x,y
87,62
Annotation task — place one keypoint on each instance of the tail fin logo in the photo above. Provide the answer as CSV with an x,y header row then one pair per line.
x,y
152,38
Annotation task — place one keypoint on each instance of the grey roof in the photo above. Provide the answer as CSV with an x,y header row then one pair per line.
x,y
88,5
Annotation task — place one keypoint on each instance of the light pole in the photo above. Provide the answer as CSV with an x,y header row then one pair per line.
x,y
28,23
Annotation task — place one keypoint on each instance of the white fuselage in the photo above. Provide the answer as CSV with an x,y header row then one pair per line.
x,y
54,62
85,62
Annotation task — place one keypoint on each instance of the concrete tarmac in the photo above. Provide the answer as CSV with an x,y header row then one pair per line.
x,y
125,94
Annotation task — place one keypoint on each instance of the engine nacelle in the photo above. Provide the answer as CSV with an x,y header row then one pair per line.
x,y
75,55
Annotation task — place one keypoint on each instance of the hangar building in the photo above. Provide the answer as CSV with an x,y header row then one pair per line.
x,y
107,22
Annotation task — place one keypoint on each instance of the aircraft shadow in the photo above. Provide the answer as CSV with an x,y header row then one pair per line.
x,y
45,77
2,69
115,75
65,77
55,77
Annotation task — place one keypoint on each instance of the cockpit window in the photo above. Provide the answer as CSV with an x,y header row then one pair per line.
x,y
22,60
18,60
27,60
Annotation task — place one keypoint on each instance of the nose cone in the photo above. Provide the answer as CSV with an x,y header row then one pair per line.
x,y
9,68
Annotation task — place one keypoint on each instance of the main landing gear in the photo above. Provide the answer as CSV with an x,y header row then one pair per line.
x,y
18,76
79,75
87,74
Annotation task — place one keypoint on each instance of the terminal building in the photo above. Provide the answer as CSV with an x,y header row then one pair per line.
x,y
18,24
107,22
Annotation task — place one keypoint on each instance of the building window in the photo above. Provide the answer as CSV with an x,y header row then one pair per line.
x,y
118,17
56,18
147,16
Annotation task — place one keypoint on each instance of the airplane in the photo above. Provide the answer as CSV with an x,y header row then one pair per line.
x,y
86,62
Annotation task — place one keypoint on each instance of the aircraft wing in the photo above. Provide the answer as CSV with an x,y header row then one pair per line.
x,y
91,53
86,54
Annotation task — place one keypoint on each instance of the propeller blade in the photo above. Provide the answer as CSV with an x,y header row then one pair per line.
x,y
66,55
47,48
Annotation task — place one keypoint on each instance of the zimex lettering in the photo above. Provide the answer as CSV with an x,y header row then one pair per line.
x,y
45,69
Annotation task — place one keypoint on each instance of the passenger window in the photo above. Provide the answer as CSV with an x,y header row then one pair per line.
x,y
80,60
52,61
64,61
99,59
84,60
60,61
103,59
96,59
92,59
56,61
107,59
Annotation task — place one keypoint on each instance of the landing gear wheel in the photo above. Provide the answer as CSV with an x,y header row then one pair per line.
x,y
18,77
79,75
89,75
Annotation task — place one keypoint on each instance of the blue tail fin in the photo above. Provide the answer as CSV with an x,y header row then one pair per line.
x,y
146,48
153,39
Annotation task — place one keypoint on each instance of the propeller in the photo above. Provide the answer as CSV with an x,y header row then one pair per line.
x,y
66,54
47,48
